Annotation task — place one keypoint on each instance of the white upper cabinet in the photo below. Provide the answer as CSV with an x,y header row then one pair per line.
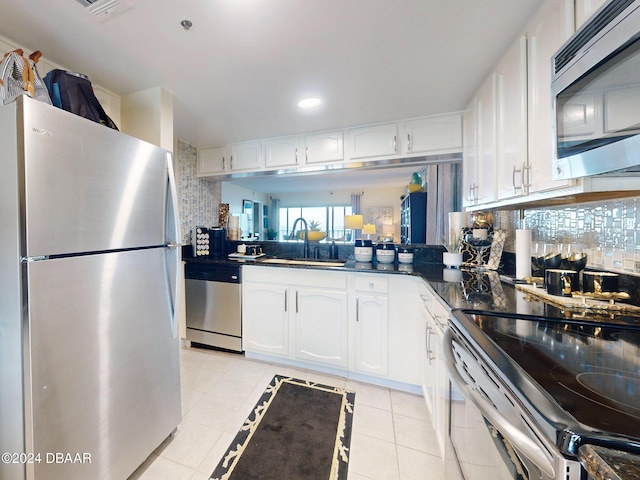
x,y
245,156
373,141
229,159
282,152
511,88
324,147
469,155
584,10
550,28
435,134
479,164
213,160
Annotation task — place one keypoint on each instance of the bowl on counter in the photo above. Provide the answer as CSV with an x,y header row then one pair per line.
x,y
385,252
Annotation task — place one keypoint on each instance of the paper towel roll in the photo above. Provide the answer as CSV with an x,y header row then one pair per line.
x,y
523,253
234,221
457,221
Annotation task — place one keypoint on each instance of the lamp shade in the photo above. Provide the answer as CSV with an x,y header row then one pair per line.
x,y
354,222
369,229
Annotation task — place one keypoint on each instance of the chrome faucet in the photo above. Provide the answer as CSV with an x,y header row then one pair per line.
x,y
306,252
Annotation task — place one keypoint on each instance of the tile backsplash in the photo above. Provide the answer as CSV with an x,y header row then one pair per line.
x,y
199,198
609,230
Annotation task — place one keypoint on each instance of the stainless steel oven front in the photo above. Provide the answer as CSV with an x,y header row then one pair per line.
x,y
491,434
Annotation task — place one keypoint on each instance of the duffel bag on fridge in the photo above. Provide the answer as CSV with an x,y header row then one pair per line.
x,y
19,75
74,93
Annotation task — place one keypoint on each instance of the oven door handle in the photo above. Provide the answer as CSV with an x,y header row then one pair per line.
x,y
518,438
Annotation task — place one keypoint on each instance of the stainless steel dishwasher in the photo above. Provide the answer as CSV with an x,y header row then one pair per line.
x,y
214,305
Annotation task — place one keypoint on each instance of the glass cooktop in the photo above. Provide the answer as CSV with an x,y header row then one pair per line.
x,y
591,370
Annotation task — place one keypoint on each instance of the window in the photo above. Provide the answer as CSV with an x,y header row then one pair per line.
x,y
327,219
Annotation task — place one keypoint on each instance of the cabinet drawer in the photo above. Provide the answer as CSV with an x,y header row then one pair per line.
x,y
372,283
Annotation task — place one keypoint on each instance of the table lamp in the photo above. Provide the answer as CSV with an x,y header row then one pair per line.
x,y
369,229
353,222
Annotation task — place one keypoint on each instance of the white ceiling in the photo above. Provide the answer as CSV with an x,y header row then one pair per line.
x,y
239,72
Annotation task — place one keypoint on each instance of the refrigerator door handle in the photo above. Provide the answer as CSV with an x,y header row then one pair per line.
x,y
173,237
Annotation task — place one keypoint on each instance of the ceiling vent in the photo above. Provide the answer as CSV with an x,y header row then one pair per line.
x,y
104,8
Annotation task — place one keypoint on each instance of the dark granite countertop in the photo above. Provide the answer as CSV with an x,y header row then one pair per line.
x,y
462,289
606,464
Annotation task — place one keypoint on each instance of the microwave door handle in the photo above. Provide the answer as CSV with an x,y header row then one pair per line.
x,y
517,438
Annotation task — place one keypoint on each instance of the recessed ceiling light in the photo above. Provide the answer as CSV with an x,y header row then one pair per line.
x,y
309,102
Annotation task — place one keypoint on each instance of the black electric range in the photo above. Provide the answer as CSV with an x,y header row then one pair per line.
x,y
579,379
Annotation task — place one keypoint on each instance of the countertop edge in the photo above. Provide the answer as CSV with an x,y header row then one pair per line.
x,y
606,464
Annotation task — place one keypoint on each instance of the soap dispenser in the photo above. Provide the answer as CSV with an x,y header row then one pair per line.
x,y
333,250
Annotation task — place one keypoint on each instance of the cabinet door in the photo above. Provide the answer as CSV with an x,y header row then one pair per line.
x,y
245,156
551,27
469,155
511,77
265,318
428,371
282,152
373,141
372,334
485,171
212,160
324,147
438,134
321,326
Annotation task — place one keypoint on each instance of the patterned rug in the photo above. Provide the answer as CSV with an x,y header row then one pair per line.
x,y
298,430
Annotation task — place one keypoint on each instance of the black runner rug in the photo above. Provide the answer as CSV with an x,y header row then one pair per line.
x,y
298,430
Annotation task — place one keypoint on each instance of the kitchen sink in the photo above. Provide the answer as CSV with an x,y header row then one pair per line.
x,y
309,262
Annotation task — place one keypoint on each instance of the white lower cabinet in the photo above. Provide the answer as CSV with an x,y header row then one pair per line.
x,y
320,326
296,313
363,325
369,297
434,377
265,318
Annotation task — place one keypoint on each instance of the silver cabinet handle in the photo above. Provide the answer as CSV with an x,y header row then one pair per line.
x,y
395,143
527,184
224,166
306,154
513,179
231,163
408,142
296,155
296,301
285,299
357,308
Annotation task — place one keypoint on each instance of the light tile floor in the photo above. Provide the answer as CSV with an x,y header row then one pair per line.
x,y
392,437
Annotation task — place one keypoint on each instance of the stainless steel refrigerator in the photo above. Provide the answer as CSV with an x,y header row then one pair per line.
x,y
89,367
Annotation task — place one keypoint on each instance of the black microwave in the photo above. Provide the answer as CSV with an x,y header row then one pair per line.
x,y
595,91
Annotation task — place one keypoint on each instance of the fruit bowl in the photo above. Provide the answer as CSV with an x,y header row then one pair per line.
x,y
414,187
314,235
